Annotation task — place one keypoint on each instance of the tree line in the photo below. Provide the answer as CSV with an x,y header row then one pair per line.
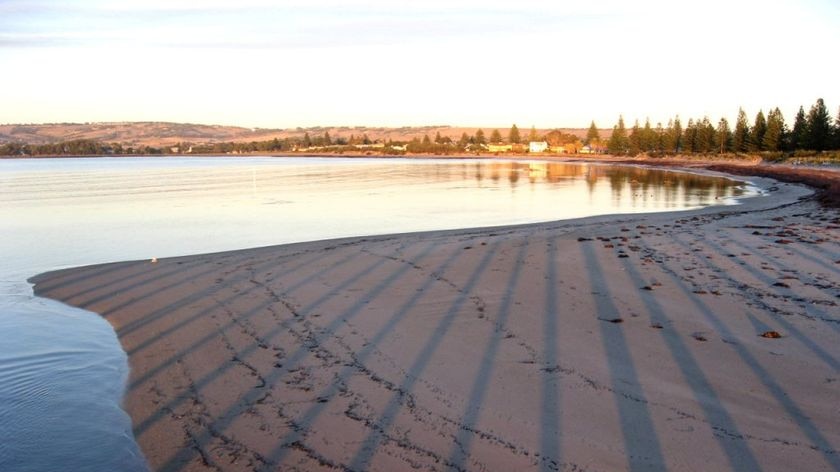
x,y
76,147
318,143
812,132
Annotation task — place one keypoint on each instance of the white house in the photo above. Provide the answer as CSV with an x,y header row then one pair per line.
x,y
537,146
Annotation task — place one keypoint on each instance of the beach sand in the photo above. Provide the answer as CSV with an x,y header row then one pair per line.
x,y
628,342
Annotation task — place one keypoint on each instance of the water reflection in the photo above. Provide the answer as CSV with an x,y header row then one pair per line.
x,y
642,186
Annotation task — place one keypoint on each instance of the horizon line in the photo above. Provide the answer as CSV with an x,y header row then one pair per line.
x,y
292,128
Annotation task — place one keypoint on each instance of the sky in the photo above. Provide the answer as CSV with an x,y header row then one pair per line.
x,y
490,63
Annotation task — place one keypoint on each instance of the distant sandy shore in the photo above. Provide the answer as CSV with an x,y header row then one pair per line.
x,y
628,342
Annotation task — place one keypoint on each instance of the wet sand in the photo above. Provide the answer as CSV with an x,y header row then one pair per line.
x,y
635,342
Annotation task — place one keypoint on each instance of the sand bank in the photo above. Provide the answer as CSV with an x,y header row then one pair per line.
x,y
610,343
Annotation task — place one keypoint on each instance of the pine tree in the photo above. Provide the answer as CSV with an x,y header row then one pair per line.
x,y
618,142
327,139
837,130
741,138
438,139
307,141
689,136
465,139
669,144
479,137
513,135
660,137
533,136
819,127
676,135
704,140
723,136
495,136
426,141
635,139
757,133
648,139
414,145
799,135
774,135
592,136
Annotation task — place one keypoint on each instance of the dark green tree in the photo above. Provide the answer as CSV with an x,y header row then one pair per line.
x,y
635,139
660,137
799,134
479,137
438,139
819,127
689,137
513,135
618,143
837,130
465,139
648,138
670,136
592,136
757,133
495,136
676,135
773,137
704,139
723,137
307,141
415,145
741,137
327,139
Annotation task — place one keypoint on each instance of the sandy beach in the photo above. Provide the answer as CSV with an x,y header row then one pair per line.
x,y
693,341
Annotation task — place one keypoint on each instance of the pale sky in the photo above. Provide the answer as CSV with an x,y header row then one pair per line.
x,y
490,63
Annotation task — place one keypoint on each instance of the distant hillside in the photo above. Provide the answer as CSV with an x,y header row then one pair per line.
x,y
158,134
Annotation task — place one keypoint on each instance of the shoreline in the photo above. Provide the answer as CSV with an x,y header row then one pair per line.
x,y
568,345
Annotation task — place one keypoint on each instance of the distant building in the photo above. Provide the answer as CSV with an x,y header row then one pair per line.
x,y
568,148
475,147
499,147
537,146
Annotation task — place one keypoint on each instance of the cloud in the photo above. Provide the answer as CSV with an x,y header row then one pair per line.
x,y
260,25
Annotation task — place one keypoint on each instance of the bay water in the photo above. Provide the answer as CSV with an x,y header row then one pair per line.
x,y
62,370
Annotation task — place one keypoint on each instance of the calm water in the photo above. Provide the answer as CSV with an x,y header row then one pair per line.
x,y
62,370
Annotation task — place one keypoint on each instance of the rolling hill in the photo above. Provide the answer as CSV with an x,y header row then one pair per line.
x,y
166,134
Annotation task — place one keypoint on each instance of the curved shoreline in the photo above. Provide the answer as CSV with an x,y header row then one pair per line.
x,y
382,352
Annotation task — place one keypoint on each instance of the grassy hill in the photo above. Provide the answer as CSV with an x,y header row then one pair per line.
x,y
158,134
